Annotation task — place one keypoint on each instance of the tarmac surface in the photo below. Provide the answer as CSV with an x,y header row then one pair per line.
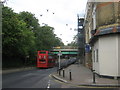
x,y
81,76
16,70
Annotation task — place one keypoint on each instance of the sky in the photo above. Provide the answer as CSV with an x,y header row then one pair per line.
x,y
64,19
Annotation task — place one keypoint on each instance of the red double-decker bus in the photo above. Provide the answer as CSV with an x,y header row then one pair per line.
x,y
45,59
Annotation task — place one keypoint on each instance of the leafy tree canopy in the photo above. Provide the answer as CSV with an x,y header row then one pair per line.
x,y
23,36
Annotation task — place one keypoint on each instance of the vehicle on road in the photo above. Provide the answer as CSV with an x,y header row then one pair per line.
x,y
67,62
45,59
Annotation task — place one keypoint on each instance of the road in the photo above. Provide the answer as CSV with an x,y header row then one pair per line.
x,y
36,78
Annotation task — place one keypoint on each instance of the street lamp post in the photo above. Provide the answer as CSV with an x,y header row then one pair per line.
x,y
59,54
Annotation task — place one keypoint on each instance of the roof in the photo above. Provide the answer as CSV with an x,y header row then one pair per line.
x,y
105,31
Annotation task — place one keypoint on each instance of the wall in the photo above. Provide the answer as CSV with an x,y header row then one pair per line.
x,y
119,55
105,15
108,55
88,21
88,27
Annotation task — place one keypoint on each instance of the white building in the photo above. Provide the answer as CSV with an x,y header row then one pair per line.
x,y
106,55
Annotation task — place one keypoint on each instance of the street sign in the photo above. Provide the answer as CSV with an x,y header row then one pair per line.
x,y
59,54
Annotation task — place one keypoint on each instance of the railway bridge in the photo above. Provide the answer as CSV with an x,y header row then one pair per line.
x,y
66,52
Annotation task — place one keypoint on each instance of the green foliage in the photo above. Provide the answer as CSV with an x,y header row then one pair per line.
x,y
18,41
46,39
29,19
23,36
74,42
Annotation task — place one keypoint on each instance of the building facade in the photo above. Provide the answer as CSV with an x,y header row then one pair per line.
x,y
102,36
81,40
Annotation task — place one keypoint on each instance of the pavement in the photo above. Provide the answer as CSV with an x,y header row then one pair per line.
x,y
82,76
15,70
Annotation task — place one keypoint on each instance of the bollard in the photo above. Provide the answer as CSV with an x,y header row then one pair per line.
x,y
94,76
63,73
70,74
59,72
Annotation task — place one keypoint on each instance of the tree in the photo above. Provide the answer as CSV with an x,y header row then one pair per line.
x,y
58,42
23,36
31,34
46,39
17,38
74,42
30,19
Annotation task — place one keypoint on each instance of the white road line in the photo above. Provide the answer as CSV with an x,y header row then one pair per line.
x,y
48,84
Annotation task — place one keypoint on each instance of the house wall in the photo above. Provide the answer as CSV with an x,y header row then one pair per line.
x,y
119,55
108,55
88,24
100,15
88,21
105,14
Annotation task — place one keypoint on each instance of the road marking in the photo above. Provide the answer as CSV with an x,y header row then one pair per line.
x,y
48,84
50,75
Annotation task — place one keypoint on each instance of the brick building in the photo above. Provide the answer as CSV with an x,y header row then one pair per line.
x,y
102,37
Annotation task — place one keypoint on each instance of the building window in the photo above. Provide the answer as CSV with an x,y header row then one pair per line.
x,y
96,55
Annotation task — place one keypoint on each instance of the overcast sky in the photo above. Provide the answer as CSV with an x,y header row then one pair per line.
x,y
65,12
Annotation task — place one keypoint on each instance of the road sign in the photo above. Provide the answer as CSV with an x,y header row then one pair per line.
x,y
59,53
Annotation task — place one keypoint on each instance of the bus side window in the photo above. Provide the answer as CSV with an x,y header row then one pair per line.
x,y
49,57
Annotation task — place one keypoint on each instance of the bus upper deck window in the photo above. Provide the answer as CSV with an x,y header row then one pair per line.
x,y
42,52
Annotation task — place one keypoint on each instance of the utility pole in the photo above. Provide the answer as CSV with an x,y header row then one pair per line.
x,y
59,59
59,54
